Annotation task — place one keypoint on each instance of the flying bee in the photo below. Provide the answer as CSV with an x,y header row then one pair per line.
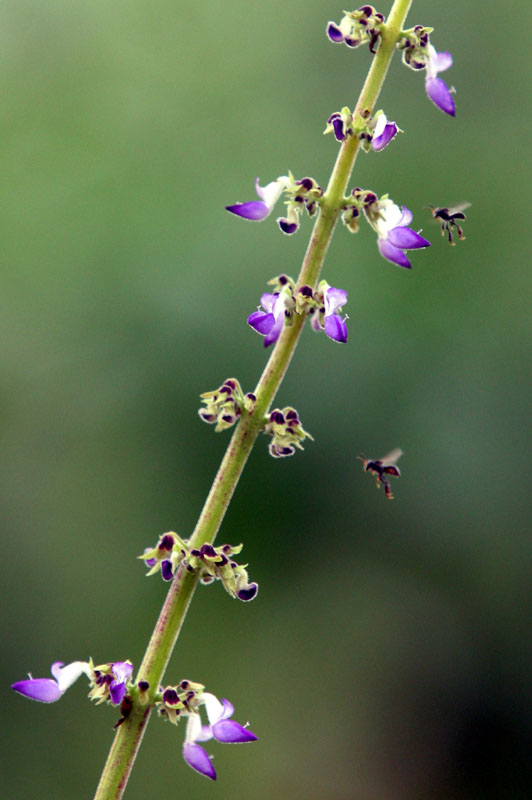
x,y
448,218
382,468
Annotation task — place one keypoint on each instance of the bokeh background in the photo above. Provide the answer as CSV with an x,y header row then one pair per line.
x,y
388,655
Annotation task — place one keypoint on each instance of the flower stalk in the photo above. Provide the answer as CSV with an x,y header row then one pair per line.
x,y
129,734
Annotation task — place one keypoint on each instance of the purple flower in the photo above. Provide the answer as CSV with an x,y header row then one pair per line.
x,y
221,727
46,690
269,323
327,318
436,88
258,210
383,133
108,681
122,671
390,223
339,123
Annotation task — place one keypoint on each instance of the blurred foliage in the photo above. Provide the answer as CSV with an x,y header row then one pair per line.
x,y
388,654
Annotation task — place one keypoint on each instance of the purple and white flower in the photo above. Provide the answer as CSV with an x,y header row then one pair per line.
x,y
436,89
257,210
46,690
108,681
383,132
269,322
390,222
120,672
327,317
221,727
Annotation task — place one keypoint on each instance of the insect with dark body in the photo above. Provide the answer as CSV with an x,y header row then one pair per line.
x,y
448,218
382,468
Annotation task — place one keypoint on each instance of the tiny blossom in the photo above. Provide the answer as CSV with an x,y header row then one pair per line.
x,y
46,690
326,317
414,43
340,123
394,237
436,89
186,699
221,727
322,305
383,132
284,426
276,307
302,195
257,210
224,405
357,27
212,563
108,681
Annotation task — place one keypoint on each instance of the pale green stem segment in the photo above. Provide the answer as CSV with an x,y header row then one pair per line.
x,y
129,735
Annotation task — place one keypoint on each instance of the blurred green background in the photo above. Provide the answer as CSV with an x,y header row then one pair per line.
x,y
388,655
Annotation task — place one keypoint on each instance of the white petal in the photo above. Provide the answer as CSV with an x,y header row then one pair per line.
x,y
66,676
270,193
380,124
194,728
213,707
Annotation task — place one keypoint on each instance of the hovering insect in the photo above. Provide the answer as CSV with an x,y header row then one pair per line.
x,y
448,218
382,467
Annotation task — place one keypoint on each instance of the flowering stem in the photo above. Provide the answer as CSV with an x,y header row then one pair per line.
x,y
129,734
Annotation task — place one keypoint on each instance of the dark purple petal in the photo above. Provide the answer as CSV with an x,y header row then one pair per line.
x,y
393,254
286,226
198,758
406,238
231,732
45,690
335,328
380,142
334,33
254,210
117,691
339,129
261,322
440,95
248,592
166,570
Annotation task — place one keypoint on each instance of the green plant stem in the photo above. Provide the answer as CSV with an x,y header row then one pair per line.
x,y
129,735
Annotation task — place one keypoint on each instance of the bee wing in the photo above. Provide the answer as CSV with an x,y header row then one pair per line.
x,y
392,457
459,207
